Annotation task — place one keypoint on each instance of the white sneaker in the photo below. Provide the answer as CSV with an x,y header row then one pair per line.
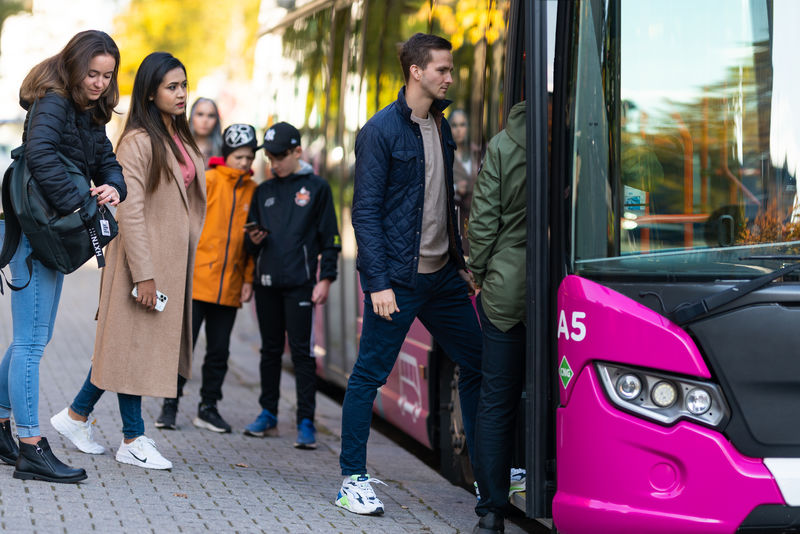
x,y
142,452
356,495
78,432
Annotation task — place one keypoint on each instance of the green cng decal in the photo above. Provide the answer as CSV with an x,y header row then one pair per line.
x,y
565,372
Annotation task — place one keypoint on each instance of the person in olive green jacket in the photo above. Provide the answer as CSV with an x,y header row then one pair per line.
x,y
497,234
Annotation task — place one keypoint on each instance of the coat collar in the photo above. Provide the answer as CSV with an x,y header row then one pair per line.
x,y
437,107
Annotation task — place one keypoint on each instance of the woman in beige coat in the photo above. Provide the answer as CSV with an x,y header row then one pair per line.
x,y
139,349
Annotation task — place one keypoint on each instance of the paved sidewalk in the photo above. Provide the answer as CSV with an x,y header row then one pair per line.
x,y
221,483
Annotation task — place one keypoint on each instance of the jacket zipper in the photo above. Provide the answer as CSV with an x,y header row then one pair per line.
x,y
305,254
228,241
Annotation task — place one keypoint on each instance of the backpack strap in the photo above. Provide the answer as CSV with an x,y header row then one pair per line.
x,y
13,229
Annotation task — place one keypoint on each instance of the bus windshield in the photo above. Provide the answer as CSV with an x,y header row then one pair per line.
x,y
685,138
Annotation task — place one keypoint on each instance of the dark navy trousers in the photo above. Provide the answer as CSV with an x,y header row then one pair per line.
x,y
441,302
503,380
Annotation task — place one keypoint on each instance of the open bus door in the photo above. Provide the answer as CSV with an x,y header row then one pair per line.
x,y
543,265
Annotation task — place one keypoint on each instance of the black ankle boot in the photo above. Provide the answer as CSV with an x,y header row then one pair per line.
x,y
491,523
37,462
8,445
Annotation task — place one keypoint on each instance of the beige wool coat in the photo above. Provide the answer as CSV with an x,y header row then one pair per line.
x,y
137,351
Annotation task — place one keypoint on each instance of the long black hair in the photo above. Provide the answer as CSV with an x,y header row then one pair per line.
x,y
145,115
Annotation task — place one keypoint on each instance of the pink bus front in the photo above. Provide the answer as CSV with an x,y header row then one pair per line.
x,y
672,228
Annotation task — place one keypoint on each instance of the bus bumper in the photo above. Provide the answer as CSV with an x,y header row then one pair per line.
x,y
620,474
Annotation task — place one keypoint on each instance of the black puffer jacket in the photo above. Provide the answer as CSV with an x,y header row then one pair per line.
x,y
57,125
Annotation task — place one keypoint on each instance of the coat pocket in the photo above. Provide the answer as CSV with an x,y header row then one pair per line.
x,y
402,167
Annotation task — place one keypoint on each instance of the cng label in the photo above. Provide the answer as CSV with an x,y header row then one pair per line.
x,y
565,372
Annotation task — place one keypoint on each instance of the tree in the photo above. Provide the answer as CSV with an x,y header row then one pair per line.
x,y
205,35
12,7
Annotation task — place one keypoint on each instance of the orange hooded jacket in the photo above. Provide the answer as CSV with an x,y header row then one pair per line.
x,y
222,265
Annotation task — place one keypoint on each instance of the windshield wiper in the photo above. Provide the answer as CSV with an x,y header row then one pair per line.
x,y
793,257
688,311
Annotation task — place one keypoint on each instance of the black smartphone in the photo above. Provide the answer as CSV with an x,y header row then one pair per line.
x,y
252,225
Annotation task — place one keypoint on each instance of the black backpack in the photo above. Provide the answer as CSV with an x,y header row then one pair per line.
x,y
59,242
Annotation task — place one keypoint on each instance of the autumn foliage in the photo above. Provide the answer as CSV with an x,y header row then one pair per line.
x,y
769,226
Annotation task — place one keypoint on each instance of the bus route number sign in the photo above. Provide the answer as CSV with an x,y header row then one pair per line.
x,y
575,331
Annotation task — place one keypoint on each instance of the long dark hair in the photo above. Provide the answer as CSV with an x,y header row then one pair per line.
x,y
145,115
64,72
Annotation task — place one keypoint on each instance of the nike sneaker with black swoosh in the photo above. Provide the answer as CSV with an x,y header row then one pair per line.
x,y
142,452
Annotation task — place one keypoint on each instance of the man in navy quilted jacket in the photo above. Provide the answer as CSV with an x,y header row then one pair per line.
x,y
410,259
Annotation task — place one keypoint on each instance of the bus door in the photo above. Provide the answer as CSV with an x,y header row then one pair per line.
x,y
539,18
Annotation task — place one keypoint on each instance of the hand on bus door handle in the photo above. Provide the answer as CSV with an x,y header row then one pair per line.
x,y
384,304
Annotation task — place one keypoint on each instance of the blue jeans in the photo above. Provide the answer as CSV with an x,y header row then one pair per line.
x,y
501,389
130,407
33,314
441,302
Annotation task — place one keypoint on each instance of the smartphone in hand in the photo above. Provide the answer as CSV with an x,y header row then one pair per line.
x,y
252,225
161,298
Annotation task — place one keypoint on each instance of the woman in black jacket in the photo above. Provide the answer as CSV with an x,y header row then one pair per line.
x,y
70,97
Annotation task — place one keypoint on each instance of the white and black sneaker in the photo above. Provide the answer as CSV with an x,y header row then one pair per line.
x,y
356,495
209,418
142,452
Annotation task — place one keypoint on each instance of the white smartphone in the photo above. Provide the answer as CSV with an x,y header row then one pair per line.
x,y
161,298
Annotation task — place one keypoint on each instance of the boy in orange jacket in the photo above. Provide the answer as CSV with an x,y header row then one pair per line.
x,y
223,271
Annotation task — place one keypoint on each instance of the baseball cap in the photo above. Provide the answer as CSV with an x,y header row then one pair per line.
x,y
281,137
238,136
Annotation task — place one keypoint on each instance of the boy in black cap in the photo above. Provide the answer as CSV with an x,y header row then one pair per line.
x,y
296,224
223,271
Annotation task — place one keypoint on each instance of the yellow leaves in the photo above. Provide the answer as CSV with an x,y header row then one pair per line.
x,y
203,34
465,21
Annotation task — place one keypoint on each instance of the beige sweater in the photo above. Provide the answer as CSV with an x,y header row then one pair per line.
x,y
433,246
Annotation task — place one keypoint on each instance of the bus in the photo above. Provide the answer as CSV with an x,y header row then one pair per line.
x,y
663,383
663,242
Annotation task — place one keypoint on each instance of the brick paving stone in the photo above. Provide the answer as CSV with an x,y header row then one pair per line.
x,y
220,482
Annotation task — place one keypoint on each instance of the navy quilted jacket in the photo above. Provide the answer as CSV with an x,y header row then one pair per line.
x,y
389,194
57,125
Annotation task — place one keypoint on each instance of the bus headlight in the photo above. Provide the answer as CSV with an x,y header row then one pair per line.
x,y
629,386
663,397
664,394
698,401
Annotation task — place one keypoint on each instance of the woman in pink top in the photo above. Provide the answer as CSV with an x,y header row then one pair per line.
x,y
143,341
